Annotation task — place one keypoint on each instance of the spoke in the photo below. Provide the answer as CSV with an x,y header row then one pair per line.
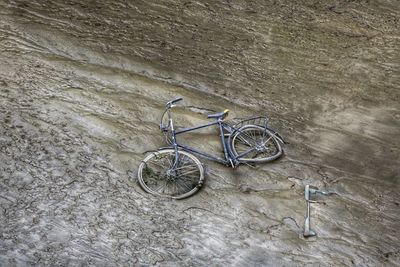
x,y
247,133
246,152
244,140
188,172
173,189
156,163
264,133
172,161
165,187
184,185
186,160
160,187
186,166
267,141
253,134
259,136
187,178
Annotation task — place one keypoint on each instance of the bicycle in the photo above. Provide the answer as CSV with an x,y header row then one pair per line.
x,y
176,172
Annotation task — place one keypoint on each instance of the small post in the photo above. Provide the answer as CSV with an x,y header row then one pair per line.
x,y
308,232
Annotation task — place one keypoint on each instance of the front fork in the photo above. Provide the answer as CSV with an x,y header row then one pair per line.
x,y
175,146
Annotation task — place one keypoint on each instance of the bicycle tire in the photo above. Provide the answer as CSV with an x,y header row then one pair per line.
x,y
156,177
258,142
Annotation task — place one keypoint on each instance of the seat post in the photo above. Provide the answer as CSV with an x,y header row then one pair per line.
x,y
221,134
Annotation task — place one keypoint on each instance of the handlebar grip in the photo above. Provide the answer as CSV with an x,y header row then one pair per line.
x,y
174,101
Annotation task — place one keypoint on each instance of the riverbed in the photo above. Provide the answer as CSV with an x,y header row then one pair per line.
x,y
82,88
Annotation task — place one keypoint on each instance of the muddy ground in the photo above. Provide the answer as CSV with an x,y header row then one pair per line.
x,y
82,86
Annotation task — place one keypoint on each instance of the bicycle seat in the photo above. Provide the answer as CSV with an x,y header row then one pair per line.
x,y
219,115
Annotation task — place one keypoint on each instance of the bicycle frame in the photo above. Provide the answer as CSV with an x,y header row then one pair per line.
x,y
229,159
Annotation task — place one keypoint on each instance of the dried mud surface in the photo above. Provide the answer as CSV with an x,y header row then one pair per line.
x,y
82,86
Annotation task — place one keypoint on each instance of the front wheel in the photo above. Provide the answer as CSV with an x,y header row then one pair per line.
x,y
171,174
253,143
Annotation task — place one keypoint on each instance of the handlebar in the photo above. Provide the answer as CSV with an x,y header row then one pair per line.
x,y
170,104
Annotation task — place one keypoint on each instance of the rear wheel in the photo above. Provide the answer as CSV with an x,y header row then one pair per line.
x,y
162,174
253,143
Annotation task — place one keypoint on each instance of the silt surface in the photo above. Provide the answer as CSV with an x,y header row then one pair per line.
x,y
82,87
